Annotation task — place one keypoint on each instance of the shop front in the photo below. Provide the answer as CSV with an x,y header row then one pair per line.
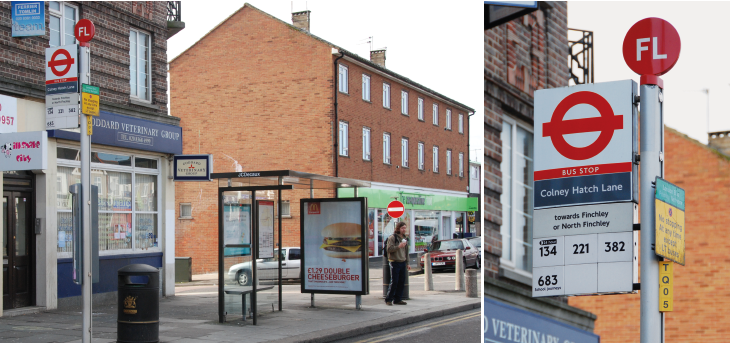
x,y
430,214
130,165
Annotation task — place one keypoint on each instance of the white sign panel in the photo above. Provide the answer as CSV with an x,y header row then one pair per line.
x,y
62,111
585,140
266,229
62,69
8,114
24,151
581,220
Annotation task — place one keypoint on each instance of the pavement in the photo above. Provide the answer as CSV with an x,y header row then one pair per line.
x,y
191,316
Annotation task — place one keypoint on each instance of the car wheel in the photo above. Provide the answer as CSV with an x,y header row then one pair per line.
x,y
477,263
243,277
464,264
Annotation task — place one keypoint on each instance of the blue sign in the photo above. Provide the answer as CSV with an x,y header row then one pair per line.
x,y
506,324
581,190
127,132
192,167
29,18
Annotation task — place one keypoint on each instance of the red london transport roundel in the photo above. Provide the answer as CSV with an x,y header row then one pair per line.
x,y
607,123
651,47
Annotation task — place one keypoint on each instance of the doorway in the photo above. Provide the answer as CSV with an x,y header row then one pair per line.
x,y
18,267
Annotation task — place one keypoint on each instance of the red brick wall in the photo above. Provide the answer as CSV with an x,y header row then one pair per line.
x,y
700,287
260,92
360,113
22,60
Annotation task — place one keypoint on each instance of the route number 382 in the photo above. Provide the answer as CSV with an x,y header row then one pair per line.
x,y
614,246
548,280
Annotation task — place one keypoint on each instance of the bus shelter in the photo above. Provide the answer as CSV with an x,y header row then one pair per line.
x,y
250,251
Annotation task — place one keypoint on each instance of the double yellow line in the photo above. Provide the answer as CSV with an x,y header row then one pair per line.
x,y
417,328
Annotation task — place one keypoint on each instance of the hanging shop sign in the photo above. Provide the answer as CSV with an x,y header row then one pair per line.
x,y
585,143
24,151
8,114
670,229
28,18
192,167
334,260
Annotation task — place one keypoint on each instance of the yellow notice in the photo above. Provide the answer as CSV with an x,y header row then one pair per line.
x,y
670,232
89,126
90,104
666,286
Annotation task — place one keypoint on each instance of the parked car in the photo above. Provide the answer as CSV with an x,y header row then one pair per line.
x,y
477,243
443,254
266,268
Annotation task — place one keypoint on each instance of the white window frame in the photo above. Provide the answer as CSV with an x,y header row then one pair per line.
x,y
366,152
133,171
386,148
343,79
461,164
344,138
62,16
421,155
448,119
404,102
420,109
287,213
366,87
435,159
190,206
386,95
509,263
436,114
461,123
404,152
149,65
448,161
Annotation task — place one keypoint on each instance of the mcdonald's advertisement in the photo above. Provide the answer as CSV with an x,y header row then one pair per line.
x,y
334,257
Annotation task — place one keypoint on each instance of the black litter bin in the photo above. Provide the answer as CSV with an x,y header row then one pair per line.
x,y
139,304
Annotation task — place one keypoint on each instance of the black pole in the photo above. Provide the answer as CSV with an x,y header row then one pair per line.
x,y
280,247
254,251
221,306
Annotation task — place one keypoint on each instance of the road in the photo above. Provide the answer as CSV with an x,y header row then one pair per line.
x,y
459,327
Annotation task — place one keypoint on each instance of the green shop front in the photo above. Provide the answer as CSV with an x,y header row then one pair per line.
x,y
428,214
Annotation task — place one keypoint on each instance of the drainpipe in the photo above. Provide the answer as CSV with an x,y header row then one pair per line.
x,y
337,123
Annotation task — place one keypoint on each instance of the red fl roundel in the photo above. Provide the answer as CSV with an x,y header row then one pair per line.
x,y
84,30
607,123
651,47
396,209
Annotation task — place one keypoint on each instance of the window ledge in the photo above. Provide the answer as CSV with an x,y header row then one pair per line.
x,y
137,102
185,218
283,216
515,276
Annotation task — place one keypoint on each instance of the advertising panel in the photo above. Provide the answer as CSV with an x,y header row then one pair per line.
x,y
236,229
266,229
29,18
24,151
8,114
333,235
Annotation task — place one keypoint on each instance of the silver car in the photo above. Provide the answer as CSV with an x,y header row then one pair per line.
x,y
267,268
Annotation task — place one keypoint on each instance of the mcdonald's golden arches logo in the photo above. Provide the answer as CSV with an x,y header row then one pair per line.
x,y
313,208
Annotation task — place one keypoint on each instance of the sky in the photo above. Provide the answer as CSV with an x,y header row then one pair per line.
x,y
437,44
702,63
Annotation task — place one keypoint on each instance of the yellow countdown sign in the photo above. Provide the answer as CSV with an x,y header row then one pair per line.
x,y
666,286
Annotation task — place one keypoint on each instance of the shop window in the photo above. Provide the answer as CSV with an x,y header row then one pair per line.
x,y
426,227
516,198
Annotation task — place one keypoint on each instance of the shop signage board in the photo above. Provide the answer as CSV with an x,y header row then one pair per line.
x,y
28,18
8,114
585,142
24,151
334,259
670,229
90,100
192,167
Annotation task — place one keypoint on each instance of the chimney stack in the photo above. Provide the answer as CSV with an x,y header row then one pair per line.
x,y
719,141
301,20
378,57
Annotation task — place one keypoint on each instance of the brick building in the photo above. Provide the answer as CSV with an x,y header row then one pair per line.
x,y
261,94
128,64
699,286
525,49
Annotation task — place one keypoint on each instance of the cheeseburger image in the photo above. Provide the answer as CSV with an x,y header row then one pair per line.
x,y
342,240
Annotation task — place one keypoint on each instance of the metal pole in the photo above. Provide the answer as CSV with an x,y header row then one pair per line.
x,y
358,298
221,247
311,196
281,182
85,157
652,142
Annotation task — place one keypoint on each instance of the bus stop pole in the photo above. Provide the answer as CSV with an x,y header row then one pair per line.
x,y
311,196
85,158
281,182
358,298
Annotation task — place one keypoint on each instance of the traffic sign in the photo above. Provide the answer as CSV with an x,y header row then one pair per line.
x,y
584,145
666,286
90,100
396,209
84,30
670,229
651,47
62,69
